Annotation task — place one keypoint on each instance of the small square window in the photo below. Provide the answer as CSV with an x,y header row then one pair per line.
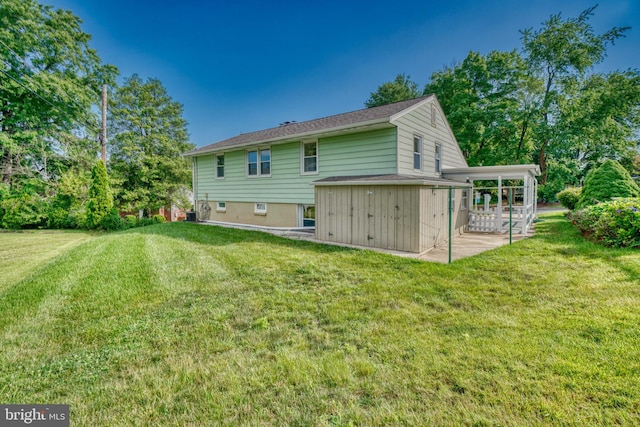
x,y
260,208
221,207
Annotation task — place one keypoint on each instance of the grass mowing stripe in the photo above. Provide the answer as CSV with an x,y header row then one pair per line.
x,y
232,327
42,247
83,304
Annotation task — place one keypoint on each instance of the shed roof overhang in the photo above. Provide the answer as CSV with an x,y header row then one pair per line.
x,y
474,173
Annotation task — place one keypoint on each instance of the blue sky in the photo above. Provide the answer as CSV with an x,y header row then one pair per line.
x,y
239,66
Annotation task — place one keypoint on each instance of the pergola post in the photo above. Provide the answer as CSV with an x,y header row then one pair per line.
x,y
499,207
535,197
525,203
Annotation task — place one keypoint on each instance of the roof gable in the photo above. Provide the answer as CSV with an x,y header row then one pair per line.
x,y
309,128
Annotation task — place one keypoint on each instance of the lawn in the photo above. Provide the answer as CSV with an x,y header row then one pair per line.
x,y
184,324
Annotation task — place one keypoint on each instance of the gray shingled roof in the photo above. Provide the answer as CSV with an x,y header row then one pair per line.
x,y
311,126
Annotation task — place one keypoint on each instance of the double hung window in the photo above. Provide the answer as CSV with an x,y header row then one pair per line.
x,y
417,152
310,157
259,162
220,166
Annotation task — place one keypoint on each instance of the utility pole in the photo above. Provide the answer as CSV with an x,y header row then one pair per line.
x,y
103,135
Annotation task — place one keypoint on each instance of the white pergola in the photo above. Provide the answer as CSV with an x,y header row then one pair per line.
x,y
491,220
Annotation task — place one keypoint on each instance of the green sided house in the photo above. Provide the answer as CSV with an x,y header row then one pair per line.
x,y
373,177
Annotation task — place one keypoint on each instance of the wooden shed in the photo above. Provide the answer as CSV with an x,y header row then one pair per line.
x,y
399,212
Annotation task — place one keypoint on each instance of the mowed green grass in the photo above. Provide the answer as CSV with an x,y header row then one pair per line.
x,y
25,252
184,324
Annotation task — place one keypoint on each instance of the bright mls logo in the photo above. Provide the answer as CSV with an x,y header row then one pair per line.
x,y
34,415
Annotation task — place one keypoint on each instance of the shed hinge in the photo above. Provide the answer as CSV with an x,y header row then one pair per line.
x,y
369,192
369,215
330,234
330,213
369,237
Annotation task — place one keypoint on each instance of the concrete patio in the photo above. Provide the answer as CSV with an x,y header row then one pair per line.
x,y
462,246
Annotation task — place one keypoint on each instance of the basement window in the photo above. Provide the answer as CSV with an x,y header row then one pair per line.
x,y
260,208
221,206
308,216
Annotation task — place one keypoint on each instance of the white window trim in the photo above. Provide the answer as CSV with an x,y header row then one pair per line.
x,y
437,158
421,152
464,204
258,151
215,162
220,208
261,211
302,171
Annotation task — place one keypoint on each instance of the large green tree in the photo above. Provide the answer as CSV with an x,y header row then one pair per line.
x,y
148,136
544,103
400,89
559,56
50,78
486,104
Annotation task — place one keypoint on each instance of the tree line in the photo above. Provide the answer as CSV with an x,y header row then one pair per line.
x,y
541,104
50,84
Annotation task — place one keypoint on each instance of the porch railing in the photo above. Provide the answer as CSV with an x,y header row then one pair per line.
x,y
494,221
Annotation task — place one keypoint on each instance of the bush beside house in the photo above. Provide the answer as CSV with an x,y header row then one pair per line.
x,y
614,223
607,208
608,181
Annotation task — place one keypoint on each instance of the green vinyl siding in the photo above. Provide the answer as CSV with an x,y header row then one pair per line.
x,y
418,122
364,153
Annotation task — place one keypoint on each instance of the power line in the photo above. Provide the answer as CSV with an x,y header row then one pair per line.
x,y
24,76
87,124
21,59
12,51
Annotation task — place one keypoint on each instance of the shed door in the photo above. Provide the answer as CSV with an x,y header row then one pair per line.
x,y
334,206
374,216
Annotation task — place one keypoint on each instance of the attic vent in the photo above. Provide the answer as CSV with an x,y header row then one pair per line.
x,y
287,123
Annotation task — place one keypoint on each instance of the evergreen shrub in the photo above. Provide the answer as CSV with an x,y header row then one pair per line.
x,y
112,221
23,210
606,182
100,198
569,197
